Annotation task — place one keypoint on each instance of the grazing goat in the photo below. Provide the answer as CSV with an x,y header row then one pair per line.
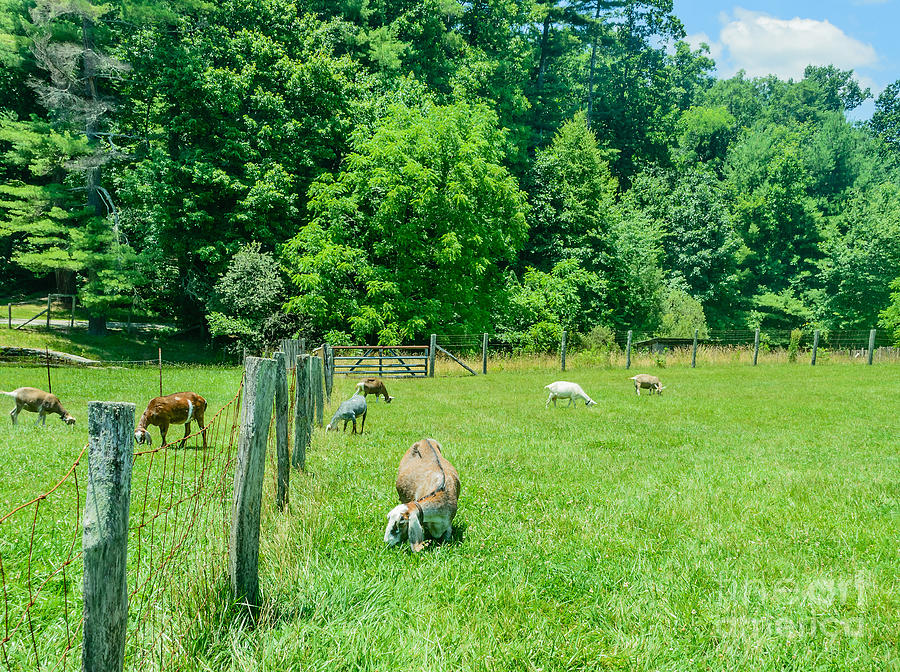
x,y
174,409
40,402
374,386
645,380
349,410
428,487
565,390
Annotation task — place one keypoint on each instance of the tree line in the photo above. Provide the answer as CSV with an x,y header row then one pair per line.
x,y
375,170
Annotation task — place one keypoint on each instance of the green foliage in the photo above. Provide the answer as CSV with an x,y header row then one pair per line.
x,y
699,239
246,296
414,232
890,316
681,314
308,127
862,257
885,120
794,345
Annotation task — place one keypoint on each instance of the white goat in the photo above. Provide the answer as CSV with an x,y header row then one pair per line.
x,y
40,402
428,487
562,389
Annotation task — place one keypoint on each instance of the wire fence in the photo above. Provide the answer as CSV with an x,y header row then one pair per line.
x,y
852,339
177,555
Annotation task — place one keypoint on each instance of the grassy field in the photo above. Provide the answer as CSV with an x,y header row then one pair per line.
x,y
748,519
115,345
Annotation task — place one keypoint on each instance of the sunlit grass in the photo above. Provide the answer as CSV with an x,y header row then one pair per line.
x,y
747,519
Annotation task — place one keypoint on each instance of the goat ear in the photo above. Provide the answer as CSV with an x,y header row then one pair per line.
x,y
416,532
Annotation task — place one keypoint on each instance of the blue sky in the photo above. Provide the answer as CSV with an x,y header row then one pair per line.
x,y
762,36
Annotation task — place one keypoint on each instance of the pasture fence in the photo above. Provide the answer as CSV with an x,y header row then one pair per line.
x,y
465,350
144,583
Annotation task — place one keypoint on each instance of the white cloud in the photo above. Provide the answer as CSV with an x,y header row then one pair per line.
x,y
715,48
762,44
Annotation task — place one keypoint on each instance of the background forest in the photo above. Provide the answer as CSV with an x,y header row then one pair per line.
x,y
374,170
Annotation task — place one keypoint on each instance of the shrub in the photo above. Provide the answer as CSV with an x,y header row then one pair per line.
x,y
794,345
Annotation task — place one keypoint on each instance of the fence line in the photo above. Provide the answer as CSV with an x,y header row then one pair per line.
x,y
176,544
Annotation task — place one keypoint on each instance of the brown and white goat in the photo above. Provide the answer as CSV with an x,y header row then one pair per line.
x,y
174,409
428,487
645,380
375,386
40,402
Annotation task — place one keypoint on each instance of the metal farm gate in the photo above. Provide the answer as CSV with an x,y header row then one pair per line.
x,y
389,361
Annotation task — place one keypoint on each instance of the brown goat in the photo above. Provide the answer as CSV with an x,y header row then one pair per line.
x,y
428,488
40,402
375,386
174,409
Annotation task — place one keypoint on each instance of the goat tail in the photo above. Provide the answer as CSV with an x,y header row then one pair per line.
x,y
8,394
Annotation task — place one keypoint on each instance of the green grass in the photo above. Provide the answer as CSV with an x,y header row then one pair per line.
x,y
748,519
114,346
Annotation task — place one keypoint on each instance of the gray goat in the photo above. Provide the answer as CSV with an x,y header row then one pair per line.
x,y
349,411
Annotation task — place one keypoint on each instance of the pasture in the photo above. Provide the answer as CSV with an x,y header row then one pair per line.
x,y
748,519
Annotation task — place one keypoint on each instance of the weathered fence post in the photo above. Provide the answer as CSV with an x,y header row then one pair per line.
x,y
694,355
815,346
49,302
105,538
328,354
562,350
302,412
484,351
432,348
317,391
302,347
628,351
281,431
9,313
250,465
871,345
756,346
72,316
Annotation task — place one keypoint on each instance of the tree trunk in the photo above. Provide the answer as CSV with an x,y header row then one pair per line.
x,y
590,100
545,39
97,325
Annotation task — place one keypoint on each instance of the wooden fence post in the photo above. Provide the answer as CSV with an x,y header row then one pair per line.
x,y
328,354
694,355
302,347
628,351
49,302
9,312
871,345
105,538
562,350
432,348
302,412
250,465
756,347
815,346
318,393
484,353
281,431
72,316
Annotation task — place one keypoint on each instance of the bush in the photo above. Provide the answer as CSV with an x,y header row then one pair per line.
x,y
681,314
245,297
543,337
794,345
